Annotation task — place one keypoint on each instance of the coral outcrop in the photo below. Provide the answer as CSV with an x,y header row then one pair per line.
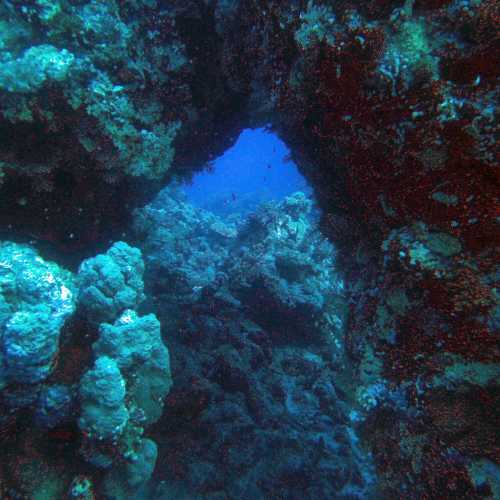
x,y
110,283
102,396
96,411
36,297
136,345
185,249
284,266
125,389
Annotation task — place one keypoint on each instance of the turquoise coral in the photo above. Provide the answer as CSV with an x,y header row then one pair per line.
x,y
102,395
135,344
36,298
110,283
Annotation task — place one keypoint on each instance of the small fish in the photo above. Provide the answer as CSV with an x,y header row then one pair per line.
x,y
268,165
233,196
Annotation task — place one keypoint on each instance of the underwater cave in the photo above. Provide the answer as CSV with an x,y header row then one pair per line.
x,y
249,250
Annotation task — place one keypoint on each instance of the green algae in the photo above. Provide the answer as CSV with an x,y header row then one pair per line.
x,y
398,301
446,199
444,244
316,26
476,373
414,48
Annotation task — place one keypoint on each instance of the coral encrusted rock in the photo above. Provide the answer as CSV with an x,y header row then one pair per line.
x,y
135,344
102,394
111,282
36,297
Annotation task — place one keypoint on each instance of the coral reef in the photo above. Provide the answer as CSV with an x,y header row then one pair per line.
x,y
258,421
274,260
390,109
99,92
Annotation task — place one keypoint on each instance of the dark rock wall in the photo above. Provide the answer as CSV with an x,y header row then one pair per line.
x,y
389,110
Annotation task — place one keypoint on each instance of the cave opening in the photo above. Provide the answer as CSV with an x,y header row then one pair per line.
x,y
244,241
257,168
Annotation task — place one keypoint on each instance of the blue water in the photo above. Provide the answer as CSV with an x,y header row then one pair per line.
x,y
256,169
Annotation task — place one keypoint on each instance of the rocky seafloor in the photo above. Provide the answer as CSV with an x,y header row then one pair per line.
x,y
151,349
